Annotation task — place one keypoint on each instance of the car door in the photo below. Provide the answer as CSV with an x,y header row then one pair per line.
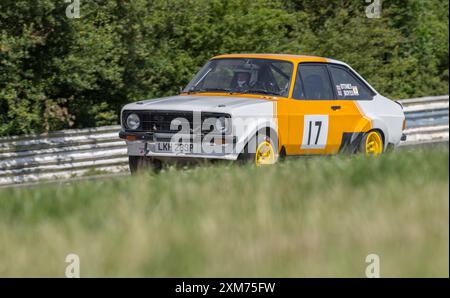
x,y
316,118
350,119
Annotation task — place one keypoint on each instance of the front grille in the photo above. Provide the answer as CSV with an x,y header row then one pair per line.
x,y
159,121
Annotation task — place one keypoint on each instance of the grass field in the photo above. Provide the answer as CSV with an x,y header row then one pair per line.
x,y
308,217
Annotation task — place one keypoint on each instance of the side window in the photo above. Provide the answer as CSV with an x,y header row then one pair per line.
x,y
347,86
312,83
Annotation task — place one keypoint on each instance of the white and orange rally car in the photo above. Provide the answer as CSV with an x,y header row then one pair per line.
x,y
262,106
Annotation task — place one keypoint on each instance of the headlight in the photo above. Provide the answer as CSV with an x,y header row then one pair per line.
x,y
221,124
133,121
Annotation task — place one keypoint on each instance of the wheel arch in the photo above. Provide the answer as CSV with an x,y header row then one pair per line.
x,y
267,130
267,126
380,131
380,127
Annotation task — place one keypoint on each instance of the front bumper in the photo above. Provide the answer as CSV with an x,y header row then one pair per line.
x,y
166,137
144,144
136,136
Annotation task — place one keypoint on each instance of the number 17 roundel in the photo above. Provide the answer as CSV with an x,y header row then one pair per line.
x,y
315,132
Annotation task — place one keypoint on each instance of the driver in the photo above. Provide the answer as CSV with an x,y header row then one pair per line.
x,y
243,80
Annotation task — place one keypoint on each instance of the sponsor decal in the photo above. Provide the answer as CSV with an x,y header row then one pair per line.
x,y
347,90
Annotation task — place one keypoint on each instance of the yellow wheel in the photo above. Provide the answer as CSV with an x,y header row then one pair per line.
x,y
265,154
372,143
260,150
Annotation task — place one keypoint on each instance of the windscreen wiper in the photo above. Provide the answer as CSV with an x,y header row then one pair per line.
x,y
199,90
261,91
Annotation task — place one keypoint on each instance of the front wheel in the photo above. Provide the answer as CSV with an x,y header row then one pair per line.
x,y
372,143
261,150
141,163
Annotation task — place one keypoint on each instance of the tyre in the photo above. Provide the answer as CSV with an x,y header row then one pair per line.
x,y
261,150
140,163
372,143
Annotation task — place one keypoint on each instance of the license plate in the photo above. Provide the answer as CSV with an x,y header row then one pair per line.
x,y
174,147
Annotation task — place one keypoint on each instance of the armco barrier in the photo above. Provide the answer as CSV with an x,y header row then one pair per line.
x,y
79,152
426,119
61,154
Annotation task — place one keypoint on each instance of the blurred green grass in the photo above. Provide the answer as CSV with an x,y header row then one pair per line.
x,y
305,217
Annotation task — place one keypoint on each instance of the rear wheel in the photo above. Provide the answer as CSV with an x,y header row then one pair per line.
x,y
140,164
372,143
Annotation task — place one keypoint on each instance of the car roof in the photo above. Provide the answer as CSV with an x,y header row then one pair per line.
x,y
285,57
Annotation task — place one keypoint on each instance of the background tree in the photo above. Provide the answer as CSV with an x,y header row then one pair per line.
x,y
57,72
